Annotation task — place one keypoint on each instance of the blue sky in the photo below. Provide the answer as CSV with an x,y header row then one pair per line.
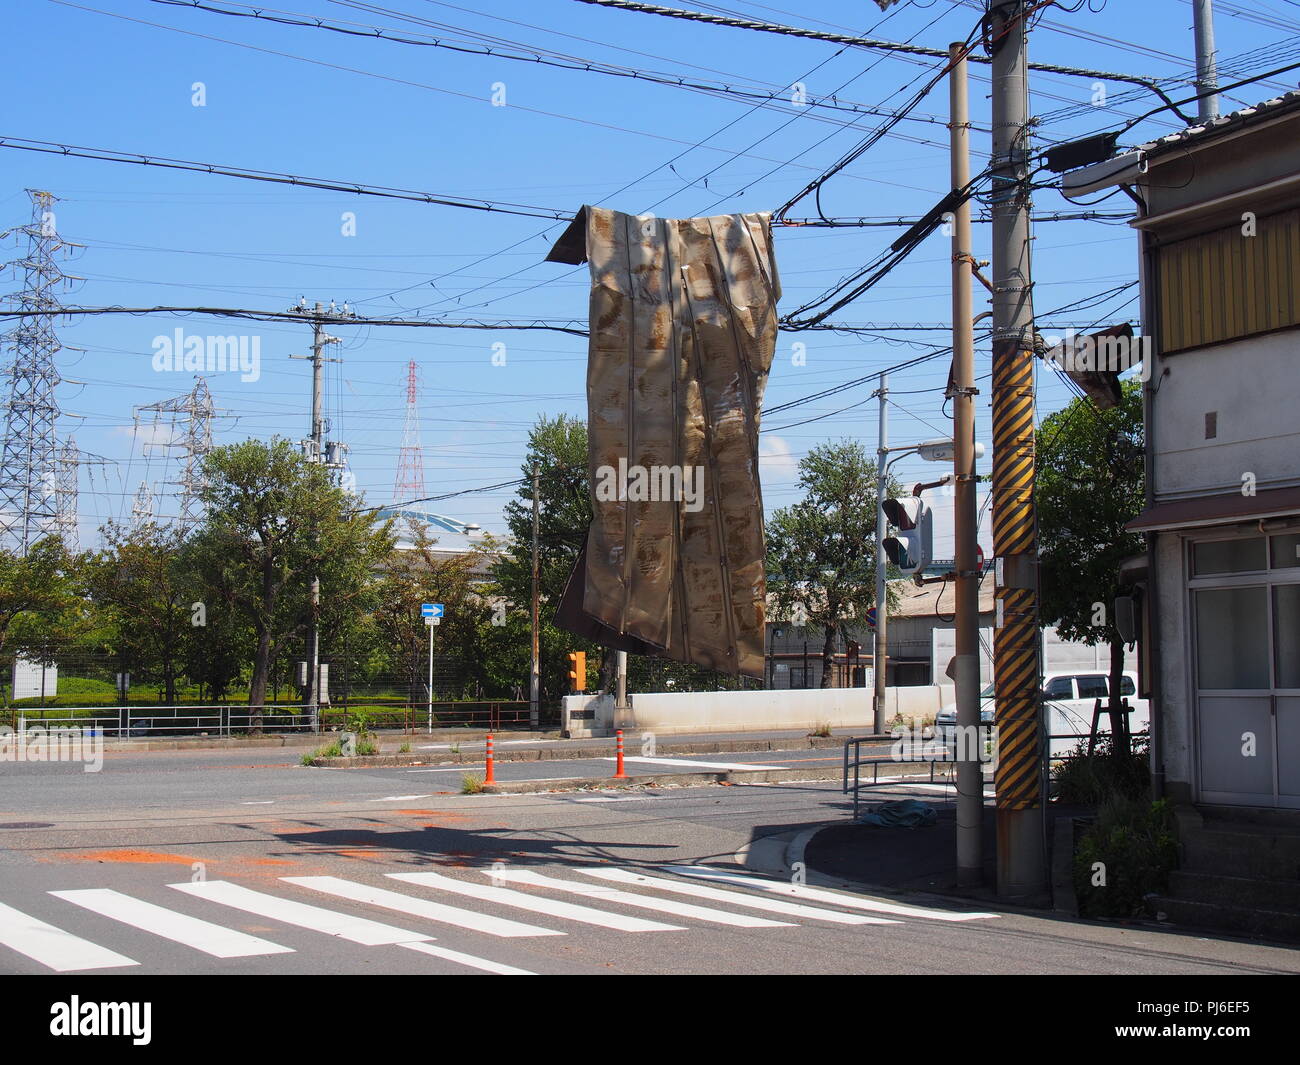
x,y
119,74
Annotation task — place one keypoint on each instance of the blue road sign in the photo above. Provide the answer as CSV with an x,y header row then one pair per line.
x,y
430,610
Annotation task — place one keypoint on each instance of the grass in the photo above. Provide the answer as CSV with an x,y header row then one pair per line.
x,y
405,748
365,745
330,750
823,730
471,785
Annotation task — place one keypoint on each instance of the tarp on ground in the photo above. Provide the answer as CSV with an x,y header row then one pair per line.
x,y
683,328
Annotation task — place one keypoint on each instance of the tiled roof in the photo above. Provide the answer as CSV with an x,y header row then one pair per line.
x,y
1234,120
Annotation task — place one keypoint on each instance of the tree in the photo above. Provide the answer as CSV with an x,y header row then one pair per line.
x,y
558,448
273,520
422,575
40,609
143,588
1090,485
821,552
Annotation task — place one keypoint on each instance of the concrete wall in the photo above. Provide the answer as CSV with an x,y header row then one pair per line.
x,y
1176,716
752,711
1246,384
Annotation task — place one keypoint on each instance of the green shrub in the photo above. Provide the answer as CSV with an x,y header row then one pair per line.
x,y
1090,780
330,750
471,785
366,746
405,748
1125,855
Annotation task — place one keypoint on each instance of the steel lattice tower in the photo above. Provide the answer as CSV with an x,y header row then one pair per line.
x,y
409,483
32,470
193,436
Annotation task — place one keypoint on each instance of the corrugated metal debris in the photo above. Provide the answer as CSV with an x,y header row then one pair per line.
x,y
683,327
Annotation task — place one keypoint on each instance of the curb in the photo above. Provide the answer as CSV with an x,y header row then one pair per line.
x,y
574,754
730,776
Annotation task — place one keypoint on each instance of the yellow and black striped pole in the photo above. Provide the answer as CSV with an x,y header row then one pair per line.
x,y
1021,858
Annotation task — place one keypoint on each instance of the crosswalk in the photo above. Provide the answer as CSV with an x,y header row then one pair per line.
x,y
422,905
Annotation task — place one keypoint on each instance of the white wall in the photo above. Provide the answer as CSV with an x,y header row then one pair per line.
x,y
756,711
1249,384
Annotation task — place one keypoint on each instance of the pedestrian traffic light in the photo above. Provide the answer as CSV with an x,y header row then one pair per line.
x,y
910,549
578,671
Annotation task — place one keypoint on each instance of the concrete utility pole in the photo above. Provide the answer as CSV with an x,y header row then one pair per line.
x,y
1207,67
1016,666
620,702
535,677
879,643
966,665
315,447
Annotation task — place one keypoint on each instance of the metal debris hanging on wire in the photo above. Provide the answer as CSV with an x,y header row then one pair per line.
x,y
683,328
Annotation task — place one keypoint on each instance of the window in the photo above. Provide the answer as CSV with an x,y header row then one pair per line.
x,y
1286,634
1232,638
1229,556
1285,551
1093,687
1126,686
1060,688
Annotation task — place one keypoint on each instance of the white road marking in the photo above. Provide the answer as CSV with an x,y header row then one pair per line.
x,y
935,787
408,904
467,959
645,902
736,898
537,904
354,929
401,798
53,947
614,798
260,802
178,927
836,898
698,765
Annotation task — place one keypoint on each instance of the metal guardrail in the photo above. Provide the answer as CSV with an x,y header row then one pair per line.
x,y
856,763
229,720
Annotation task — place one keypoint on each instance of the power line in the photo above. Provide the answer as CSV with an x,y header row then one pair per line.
x,y
571,327
110,155
867,42
537,57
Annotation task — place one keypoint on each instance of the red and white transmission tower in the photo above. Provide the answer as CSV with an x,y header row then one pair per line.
x,y
409,483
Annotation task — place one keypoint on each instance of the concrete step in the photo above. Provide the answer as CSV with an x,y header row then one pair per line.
x,y
1240,849
1283,895
1241,920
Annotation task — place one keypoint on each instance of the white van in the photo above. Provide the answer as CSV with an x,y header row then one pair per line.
x,y
1070,698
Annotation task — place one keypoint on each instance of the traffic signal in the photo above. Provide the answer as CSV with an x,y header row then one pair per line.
x,y
910,549
578,671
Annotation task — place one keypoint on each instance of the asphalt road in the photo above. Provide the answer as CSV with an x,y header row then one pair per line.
x,y
245,862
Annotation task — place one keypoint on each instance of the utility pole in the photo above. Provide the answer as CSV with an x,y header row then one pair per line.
x,y
314,447
620,702
1207,67
879,644
966,664
1016,667
535,676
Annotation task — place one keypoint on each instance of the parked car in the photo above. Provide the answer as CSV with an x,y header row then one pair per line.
x,y
1070,697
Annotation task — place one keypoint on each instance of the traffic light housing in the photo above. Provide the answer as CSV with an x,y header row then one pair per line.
x,y
911,548
577,671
